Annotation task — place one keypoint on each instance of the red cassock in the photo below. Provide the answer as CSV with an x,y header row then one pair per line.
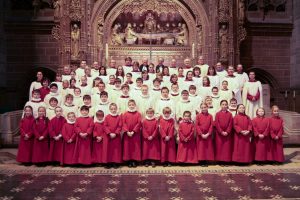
x,y
55,128
187,150
83,150
243,147
132,145
276,129
205,147
25,146
151,148
168,148
44,92
262,146
40,152
224,144
68,132
97,150
112,147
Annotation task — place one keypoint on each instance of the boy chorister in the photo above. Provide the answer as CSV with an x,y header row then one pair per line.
x,y
40,150
276,132
56,140
215,98
204,133
243,148
50,111
77,99
35,102
69,139
116,91
113,147
137,89
132,134
69,106
87,101
233,106
53,93
187,149
83,128
27,137
98,136
103,103
165,101
122,101
224,139
167,134
144,101
185,105
174,94
151,143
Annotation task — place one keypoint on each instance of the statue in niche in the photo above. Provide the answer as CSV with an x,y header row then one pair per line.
x,y
241,10
116,37
57,9
100,35
75,39
149,24
223,39
200,37
182,37
130,35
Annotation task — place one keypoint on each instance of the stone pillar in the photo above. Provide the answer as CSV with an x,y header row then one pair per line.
x,y
295,47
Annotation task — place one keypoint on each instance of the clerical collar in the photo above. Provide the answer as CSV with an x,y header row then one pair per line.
x,y
215,96
166,118
164,99
253,80
124,96
185,100
70,122
69,105
36,100
150,118
175,94
117,89
156,89
145,96
116,114
131,111
99,121
230,76
103,103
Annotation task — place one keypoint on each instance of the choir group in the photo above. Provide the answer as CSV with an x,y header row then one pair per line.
x,y
155,114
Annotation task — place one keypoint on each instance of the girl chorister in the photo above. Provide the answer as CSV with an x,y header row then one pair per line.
x,y
98,135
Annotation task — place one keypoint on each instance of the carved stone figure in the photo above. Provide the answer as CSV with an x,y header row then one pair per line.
x,y
223,11
241,10
100,36
57,9
200,37
149,24
182,37
116,37
223,39
130,35
75,39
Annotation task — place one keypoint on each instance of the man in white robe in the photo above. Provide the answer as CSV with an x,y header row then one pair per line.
x,y
241,76
233,84
203,67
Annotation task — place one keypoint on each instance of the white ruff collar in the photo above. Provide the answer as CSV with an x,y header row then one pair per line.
x,y
166,118
116,114
185,101
69,122
99,121
149,118
103,103
132,111
145,96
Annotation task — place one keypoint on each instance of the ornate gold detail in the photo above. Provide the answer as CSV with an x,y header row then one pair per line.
x,y
75,13
55,32
224,11
141,6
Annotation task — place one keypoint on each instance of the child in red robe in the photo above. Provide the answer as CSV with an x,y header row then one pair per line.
x,y
56,139
45,88
112,149
187,149
224,136
167,134
243,146
132,134
83,128
69,137
151,144
98,135
261,135
204,130
26,138
276,132
40,150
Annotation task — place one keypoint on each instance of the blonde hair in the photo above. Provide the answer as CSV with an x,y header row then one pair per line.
x,y
167,110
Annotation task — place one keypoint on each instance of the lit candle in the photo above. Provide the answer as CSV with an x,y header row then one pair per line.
x,y
294,94
285,94
106,52
193,50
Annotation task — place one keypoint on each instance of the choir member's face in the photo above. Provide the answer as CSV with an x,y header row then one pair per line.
x,y
45,83
180,71
260,112
211,71
208,102
156,84
185,96
139,83
159,76
165,93
174,79
96,83
102,71
189,76
129,78
117,84
224,105
241,109
69,100
151,68
28,112
233,104
239,68
128,62
144,90
113,109
187,116
166,70
200,61
120,70
225,85
39,76
197,72
175,88
87,71
131,106
173,63
219,66
161,61
167,114
83,81
53,103
145,75
275,111
145,61
135,67
84,113
125,90
95,65
101,87
67,70
58,112
215,92
77,92
53,89
205,82
187,62
100,117
252,75
58,78
204,108
103,98
113,64
65,84
83,64
111,79
73,74
41,112
192,91
86,101
36,95
73,82
150,114
230,70
71,117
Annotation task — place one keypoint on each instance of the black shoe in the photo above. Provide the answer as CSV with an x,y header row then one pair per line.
x,y
165,165
115,166
108,166
134,165
129,164
169,164
147,164
153,164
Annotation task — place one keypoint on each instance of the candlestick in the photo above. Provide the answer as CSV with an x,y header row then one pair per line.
x,y
106,52
193,50
285,93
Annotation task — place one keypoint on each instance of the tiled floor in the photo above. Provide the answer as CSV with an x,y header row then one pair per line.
x,y
174,183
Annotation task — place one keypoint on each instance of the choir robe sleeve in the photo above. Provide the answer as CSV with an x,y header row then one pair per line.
x,y
77,128
255,129
64,133
210,130
198,126
267,130
229,128
124,120
181,136
280,132
22,128
90,127
51,129
137,127
237,128
155,133
191,134
145,132
120,124
217,123
249,124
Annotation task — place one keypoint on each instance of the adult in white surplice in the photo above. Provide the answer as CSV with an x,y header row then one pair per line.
x,y
233,84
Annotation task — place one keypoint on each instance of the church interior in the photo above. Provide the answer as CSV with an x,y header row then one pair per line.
x,y
51,36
